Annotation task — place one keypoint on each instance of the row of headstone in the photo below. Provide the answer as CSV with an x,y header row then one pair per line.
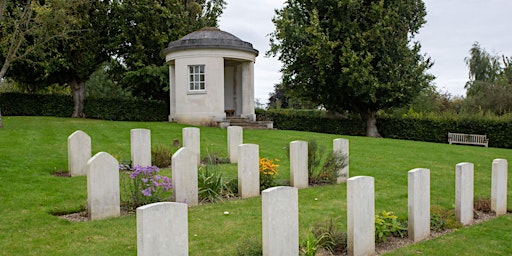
x,y
361,203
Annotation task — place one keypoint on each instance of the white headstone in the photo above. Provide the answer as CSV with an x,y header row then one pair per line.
x,y
235,138
248,171
361,215
499,186
140,141
419,204
103,198
280,219
79,152
341,146
299,164
184,177
191,140
464,185
162,229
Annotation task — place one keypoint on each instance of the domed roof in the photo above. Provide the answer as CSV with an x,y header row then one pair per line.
x,y
210,38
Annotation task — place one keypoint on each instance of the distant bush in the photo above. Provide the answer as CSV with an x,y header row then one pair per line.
x,y
417,128
21,104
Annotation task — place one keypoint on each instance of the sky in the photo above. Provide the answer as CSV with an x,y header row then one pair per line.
x,y
451,29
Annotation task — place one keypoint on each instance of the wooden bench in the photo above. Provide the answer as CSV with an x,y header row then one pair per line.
x,y
471,139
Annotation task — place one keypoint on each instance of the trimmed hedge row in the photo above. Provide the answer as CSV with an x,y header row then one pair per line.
x,y
21,104
431,129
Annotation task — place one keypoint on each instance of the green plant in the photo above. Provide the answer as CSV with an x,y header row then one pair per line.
x,y
324,168
161,156
386,224
442,218
143,185
330,237
268,172
309,246
211,184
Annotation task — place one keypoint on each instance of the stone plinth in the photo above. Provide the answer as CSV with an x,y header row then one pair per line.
x,y
419,204
235,138
140,142
299,164
248,170
103,198
499,186
162,229
464,184
184,177
79,152
191,140
361,215
280,219
341,146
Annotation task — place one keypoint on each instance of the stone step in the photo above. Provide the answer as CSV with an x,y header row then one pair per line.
x,y
248,124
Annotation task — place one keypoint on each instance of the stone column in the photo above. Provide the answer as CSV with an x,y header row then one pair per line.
x,y
79,152
172,92
140,142
280,219
191,140
299,164
162,229
341,146
248,90
464,184
235,138
184,177
248,170
361,215
103,197
499,186
419,204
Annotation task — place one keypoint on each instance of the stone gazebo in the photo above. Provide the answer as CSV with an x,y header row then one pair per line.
x,y
211,75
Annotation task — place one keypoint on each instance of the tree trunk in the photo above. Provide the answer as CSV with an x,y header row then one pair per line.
x,y
1,124
78,91
370,116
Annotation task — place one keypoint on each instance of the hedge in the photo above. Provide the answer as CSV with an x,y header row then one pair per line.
x,y
430,129
20,104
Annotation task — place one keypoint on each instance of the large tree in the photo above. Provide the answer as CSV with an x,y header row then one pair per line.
x,y
355,55
489,88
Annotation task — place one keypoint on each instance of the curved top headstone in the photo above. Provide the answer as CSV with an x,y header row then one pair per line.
x,y
210,38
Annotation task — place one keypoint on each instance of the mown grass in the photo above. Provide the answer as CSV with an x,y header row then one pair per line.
x,y
33,148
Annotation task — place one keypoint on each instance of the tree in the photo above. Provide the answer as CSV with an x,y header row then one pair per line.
x,y
489,88
144,28
27,26
352,55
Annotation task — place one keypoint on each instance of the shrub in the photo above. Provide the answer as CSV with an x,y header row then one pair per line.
x,y
482,204
143,185
268,172
442,218
161,156
330,237
324,168
387,224
211,184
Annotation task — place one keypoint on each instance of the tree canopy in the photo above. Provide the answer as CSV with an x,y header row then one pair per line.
x,y
352,55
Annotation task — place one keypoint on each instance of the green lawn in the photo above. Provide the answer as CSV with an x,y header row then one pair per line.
x,y
33,148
